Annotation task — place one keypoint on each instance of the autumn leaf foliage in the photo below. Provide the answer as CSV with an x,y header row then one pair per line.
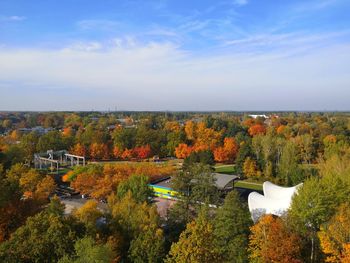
x,y
271,241
227,152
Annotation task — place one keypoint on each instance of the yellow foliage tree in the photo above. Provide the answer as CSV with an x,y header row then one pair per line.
x,y
335,236
196,244
250,169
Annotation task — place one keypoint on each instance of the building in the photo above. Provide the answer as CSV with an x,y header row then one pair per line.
x,y
276,200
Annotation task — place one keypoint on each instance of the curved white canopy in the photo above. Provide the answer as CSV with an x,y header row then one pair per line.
x,y
276,200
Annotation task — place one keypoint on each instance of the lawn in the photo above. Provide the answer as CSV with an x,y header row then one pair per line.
x,y
249,185
225,169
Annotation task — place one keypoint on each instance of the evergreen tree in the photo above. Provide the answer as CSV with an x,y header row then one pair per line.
x,y
231,229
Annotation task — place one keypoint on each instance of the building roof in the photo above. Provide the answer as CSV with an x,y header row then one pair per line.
x,y
223,180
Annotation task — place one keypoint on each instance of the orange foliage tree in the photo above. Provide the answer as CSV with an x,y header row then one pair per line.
x,y
100,181
206,138
183,150
257,129
143,152
227,152
117,153
127,154
271,241
99,151
78,149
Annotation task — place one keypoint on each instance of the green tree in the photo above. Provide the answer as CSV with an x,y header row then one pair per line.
x,y
45,237
51,141
138,186
87,251
231,229
131,219
148,246
29,145
288,169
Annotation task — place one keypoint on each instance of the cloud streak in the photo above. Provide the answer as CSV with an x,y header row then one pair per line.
x,y
159,76
12,18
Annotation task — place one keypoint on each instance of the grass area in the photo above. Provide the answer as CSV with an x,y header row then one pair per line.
x,y
249,185
225,169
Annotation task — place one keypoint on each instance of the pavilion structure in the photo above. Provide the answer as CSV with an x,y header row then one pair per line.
x,y
55,159
276,200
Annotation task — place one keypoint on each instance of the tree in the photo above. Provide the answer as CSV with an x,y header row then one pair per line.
x,y
257,129
87,251
143,152
88,215
244,152
203,157
288,169
138,187
117,153
124,138
51,141
79,149
227,152
99,151
190,130
127,154
314,205
271,241
148,246
231,229
183,150
45,237
250,169
196,244
44,188
334,236
203,185
132,220
29,144
173,140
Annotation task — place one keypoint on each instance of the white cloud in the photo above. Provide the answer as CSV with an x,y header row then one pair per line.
x,y
162,76
240,2
98,24
12,18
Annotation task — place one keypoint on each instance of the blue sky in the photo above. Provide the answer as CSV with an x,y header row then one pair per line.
x,y
174,55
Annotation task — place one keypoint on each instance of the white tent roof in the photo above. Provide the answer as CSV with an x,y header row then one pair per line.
x,y
276,200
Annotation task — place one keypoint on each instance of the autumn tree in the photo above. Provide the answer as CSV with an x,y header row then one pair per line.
x,y
127,154
196,244
227,152
88,215
272,241
250,169
45,237
190,130
257,129
143,152
79,149
99,151
335,236
182,151
315,204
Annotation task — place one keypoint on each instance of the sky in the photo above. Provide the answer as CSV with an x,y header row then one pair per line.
x,y
199,55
